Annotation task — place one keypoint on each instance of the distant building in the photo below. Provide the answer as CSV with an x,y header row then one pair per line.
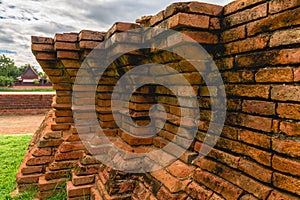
x,y
31,77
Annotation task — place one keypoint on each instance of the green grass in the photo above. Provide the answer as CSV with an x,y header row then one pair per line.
x,y
12,151
26,90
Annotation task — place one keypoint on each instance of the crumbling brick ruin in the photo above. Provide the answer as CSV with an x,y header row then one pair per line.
x,y
255,45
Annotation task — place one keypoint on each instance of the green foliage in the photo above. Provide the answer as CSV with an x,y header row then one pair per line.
x,y
12,150
6,81
8,67
36,82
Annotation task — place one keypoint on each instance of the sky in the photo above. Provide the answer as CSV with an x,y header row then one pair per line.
x,y
20,19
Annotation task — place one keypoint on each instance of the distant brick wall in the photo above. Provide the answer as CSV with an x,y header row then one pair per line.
x,y
255,45
25,103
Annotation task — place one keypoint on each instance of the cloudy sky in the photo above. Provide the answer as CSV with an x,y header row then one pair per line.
x,y
19,19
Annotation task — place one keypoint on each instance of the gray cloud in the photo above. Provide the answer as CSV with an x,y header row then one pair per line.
x,y
19,19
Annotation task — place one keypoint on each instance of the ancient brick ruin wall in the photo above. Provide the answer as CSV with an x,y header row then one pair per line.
x,y
255,45
11,104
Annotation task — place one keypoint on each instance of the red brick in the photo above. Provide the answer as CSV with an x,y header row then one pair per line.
x,y
74,191
163,194
42,152
276,195
260,156
288,111
224,157
71,147
257,12
248,197
285,37
287,147
239,5
286,165
285,93
173,184
261,91
39,160
274,75
256,122
291,129
258,107
248,44
67,55
214,24
136,140
88,44
62,165
42,47
200,37
41,40
257,171
255,138
276,6
91,35
225,63
21,179
296,74
82,180
66,37
287,183
274,22
46,185
234,34
188,20
120,27
66,46
45,56
198,192
180,169
216,184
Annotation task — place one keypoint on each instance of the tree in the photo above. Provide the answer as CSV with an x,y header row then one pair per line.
x,y
8,67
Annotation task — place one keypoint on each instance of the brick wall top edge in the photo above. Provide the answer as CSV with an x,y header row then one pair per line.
x,y
120,27
185,7
41,40
66,37
91,35
238,5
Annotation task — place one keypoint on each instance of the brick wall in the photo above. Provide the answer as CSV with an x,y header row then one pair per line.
x,y
25,103
255,45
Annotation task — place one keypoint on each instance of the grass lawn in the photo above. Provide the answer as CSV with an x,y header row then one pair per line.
x,y
2,89
12,151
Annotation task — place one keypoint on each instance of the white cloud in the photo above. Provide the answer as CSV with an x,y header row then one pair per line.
x,y
20,19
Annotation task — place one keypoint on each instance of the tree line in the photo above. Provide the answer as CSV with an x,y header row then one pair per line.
x,y
9,71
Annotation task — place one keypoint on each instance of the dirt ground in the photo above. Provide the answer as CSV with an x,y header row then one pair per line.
x,y
24,124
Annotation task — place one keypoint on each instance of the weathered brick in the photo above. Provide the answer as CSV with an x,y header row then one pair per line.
x,y
285,93
285,37
288,111
219,185
261,91
258,107
173,184
42,47
274,22
275,195
234,34
274,75
163,193
91,35
66,46
198,192
287,147
66,37
239,5
41,40
255,138
296,74
259,172
74,191
188,20
287,183
180,169
286,165
248,44
254,13
276,6
290,128
68,55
